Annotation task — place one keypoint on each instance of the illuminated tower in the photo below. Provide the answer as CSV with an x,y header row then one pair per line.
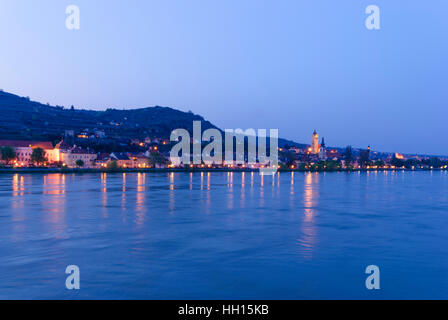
x,y
315,147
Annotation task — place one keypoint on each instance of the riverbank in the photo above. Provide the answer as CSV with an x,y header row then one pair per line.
x,y
168,170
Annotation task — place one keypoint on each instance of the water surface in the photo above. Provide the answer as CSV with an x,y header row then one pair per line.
x,y
224,235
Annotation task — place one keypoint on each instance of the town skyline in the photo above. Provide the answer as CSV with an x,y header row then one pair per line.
x,y
304,141
115,139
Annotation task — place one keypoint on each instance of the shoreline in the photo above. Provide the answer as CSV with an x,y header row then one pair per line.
x,y
169,170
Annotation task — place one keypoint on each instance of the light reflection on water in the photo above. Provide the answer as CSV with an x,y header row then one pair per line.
x,y
194,235
310,198
140,202
53,204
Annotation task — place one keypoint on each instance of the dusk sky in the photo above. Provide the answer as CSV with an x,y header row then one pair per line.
x,y
292,65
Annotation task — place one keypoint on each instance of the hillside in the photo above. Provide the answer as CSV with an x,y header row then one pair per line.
x,y
24,119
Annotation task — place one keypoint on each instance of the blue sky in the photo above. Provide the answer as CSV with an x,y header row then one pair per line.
x,y
292,65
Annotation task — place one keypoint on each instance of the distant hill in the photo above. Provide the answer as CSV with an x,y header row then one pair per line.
x,y
24,119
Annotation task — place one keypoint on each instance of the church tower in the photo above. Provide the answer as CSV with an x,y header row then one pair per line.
x,y
323,150
315,147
